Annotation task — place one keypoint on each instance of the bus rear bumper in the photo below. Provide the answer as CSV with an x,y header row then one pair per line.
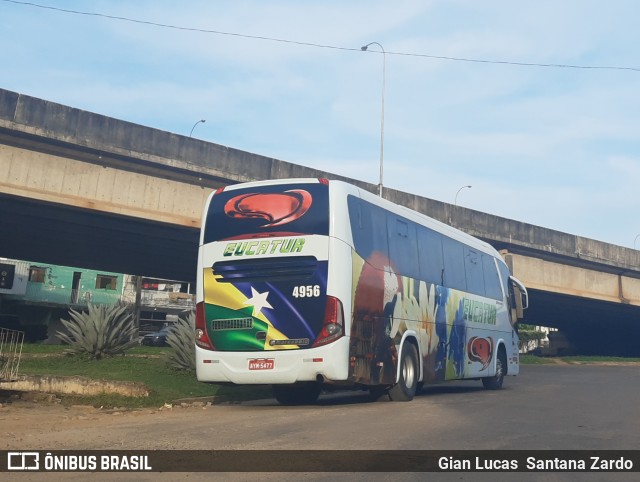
x,y
274,367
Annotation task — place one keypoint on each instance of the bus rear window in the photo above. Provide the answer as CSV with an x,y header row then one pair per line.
x,y
268,211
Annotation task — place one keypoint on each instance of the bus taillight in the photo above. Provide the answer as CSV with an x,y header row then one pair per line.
x,y
202,339
333,324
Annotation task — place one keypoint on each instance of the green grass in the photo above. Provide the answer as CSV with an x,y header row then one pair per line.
x,y
587,359
541,360
146,365
37,348
535,360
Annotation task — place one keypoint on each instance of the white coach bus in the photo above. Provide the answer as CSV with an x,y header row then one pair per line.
x,y
305,283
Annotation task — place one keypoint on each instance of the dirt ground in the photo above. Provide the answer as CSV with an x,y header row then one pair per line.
x,y
31,421
607,418
38,421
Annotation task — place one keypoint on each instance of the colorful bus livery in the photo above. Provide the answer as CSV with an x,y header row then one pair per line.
x,y
310,283
249,306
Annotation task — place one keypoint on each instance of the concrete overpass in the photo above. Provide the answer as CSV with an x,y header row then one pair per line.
x,y
82,189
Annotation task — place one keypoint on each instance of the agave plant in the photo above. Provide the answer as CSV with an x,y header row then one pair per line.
x,y
182,340
100,332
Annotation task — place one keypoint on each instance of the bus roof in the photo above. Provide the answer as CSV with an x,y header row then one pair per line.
x,y
409,213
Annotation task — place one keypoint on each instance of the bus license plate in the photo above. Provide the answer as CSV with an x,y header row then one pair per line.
x,y
261,364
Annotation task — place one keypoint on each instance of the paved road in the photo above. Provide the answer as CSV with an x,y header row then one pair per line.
x,y
546,407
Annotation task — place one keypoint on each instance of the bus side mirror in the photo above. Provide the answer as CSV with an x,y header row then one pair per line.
x,y
520,299
517,310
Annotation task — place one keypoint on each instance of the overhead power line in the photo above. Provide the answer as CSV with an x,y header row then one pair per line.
x,y
316,45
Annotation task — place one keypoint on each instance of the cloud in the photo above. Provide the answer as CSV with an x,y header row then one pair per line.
x,y
556,147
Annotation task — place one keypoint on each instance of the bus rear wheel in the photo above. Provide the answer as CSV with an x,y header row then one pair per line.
x,y
405,389
297,394
495,382
377,392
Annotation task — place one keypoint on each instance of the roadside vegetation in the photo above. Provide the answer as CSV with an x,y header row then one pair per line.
x,y
181,340
574,359
528,334
535,360
100,332
155,368
147,365
101,343
598,359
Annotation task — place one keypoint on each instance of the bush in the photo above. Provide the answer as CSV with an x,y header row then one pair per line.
x,y
102,331
527,334
182,341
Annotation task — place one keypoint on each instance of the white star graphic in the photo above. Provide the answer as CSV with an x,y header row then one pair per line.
x,y
258,301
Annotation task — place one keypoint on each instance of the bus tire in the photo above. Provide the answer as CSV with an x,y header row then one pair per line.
x,y
495,382
297,394
405,389
377,392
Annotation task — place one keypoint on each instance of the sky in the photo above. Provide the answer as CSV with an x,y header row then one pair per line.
x,y
558,147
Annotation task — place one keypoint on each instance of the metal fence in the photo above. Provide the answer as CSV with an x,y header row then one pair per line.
x,y
10,352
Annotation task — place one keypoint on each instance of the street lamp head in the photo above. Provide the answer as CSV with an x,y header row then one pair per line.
x,y
366,47
194,126
455,202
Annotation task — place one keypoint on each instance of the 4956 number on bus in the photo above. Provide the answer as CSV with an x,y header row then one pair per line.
x,y
308,291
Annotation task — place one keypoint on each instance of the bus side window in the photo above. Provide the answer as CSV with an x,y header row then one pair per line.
x,y
474,271
454,275
491,278
403,246
369,230
430,256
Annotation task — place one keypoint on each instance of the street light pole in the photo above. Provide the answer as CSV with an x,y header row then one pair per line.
x,y
194,125
384,75
455,202
634,241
